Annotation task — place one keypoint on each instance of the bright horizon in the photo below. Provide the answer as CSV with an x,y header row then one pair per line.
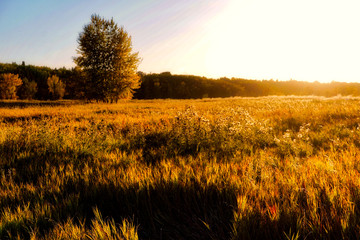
x,y
255,39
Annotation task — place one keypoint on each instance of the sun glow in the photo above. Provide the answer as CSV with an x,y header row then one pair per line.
x,y
282,39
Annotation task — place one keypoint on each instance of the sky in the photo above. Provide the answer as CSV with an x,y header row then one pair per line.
x,y
308,40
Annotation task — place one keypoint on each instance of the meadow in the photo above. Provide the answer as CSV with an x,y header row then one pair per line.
x,y
234,168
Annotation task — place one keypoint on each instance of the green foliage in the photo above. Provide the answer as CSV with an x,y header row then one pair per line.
x,y
56,87
40,76
106,57
9,84
166,85
28,89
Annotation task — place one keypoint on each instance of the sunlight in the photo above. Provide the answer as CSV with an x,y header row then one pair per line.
x,y
223,50
285,40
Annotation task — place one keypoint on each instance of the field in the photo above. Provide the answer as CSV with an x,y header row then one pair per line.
x,y
236,168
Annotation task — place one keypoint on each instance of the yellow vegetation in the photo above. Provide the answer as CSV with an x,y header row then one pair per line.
x,y
238,168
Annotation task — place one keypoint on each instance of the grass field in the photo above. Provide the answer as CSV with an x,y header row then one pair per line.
x,y
237,168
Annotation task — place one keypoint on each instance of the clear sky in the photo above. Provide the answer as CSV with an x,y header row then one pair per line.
x,y
312,40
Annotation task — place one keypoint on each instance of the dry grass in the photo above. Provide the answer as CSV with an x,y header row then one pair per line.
x,y
238,168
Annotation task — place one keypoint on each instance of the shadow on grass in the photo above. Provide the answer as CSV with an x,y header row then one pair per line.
x,y
166,211
171,210
34,103
163,209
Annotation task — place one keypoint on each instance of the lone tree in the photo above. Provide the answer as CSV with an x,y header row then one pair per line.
x,y
107,59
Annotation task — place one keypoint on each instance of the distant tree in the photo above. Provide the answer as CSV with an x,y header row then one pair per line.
x,y
28,89
76,84
107,59
56,87
9,84
141,74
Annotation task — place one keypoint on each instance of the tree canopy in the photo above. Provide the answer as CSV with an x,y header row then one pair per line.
x,y
56,87
28,89
106,56
9,84
167,85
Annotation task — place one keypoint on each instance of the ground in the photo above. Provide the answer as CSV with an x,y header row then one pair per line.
x,y
235,168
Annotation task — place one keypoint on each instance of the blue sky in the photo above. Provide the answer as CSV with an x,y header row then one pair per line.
x,y
44,32
259,39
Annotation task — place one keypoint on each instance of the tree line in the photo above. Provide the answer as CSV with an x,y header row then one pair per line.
x,y
44,83
33,82
165,85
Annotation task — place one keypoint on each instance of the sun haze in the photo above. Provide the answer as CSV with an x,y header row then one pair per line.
x,y
257,39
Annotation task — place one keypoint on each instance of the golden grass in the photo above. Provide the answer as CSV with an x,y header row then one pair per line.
x,y
236,168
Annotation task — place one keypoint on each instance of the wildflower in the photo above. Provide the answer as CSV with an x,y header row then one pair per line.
x,y
287,134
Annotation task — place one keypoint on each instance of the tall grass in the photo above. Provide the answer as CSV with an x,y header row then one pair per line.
x,y
238,168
